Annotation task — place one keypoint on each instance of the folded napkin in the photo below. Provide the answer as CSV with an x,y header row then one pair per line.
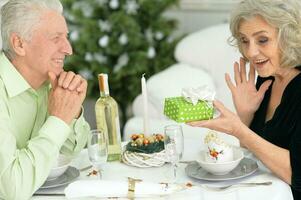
x,y
130,188
202,93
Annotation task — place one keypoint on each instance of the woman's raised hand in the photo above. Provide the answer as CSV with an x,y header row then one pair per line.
x,y
246,97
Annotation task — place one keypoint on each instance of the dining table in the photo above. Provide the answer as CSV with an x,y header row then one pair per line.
x,y
115,171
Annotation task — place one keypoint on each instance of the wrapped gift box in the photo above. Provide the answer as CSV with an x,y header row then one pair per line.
x,y
178,109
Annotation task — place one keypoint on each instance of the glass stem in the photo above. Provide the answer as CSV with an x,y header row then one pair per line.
x,y
100,173
175,166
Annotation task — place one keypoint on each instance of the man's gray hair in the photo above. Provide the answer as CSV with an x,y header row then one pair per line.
x,y
284,15
20,16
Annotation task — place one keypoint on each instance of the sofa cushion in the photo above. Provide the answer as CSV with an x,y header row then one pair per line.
x,y
209,50
207,47
170,82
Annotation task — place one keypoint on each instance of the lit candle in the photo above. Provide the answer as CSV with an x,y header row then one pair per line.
x,y
145,106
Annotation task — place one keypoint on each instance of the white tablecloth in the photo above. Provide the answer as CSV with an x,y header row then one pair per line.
x,y
279,190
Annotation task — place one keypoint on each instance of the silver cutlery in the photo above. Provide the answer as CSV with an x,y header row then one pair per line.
x,y
186,161
85,168
220,188
49,194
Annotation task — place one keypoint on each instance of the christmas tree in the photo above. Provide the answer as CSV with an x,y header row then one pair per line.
x,y
123,38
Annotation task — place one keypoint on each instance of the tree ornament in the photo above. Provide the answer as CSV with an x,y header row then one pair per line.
x,y
151,52
123,39
149,35
104,25
100,58
131,7
103,41
159,35
87,10
74,35
114,4
88,57
121,62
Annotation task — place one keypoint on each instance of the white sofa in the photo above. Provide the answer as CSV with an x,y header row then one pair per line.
x,y
202,58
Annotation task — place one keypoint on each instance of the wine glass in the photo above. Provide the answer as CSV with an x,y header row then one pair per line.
x,y
174,146
97,149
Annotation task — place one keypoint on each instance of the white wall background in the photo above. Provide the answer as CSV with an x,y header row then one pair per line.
x,y
194,15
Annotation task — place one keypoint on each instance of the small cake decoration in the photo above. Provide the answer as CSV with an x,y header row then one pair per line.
x,y
218,150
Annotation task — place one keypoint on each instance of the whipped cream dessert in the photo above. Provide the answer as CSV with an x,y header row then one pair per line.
x,y
217,150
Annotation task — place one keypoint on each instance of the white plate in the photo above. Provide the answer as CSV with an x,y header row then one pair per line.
x,y
245,168
70,174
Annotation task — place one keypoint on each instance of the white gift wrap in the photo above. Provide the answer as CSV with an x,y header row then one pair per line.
x,y
224,153
202,93
106,188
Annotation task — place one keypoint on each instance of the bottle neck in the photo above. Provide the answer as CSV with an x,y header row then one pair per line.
x,y
104,94
103,85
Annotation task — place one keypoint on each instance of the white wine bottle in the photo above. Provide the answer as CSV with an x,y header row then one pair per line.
x,y
107,118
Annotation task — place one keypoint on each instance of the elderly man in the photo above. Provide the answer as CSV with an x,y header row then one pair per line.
x,y
41,113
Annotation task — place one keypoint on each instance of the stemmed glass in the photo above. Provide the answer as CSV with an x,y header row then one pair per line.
x,y
97,149
174,146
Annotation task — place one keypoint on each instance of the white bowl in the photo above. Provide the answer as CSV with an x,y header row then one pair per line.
x,y
59,167
221,168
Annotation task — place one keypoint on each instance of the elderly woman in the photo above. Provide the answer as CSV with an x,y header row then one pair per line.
x,y
268,120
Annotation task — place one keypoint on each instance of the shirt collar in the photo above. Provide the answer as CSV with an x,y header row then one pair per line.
x,y
14,82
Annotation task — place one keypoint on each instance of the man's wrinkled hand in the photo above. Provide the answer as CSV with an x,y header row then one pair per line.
x,y
71,81
64,103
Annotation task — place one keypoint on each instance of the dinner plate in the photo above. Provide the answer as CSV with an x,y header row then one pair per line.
x,y
245,168
70,174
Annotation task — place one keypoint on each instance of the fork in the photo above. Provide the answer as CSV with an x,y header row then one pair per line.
x,y
220,188
85,168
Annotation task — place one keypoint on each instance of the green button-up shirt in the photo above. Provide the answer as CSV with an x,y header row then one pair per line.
x,y
30,139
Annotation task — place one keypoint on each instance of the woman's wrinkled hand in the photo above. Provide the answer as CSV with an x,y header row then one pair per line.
x,y
246,97
228,122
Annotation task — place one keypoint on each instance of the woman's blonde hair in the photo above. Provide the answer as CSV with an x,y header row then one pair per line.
x,y
284,15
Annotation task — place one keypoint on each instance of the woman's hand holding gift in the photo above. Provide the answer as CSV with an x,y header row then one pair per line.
x,y
246,99
245,96
228,122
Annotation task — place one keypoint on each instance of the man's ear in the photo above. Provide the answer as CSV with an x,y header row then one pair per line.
x,y
17,44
